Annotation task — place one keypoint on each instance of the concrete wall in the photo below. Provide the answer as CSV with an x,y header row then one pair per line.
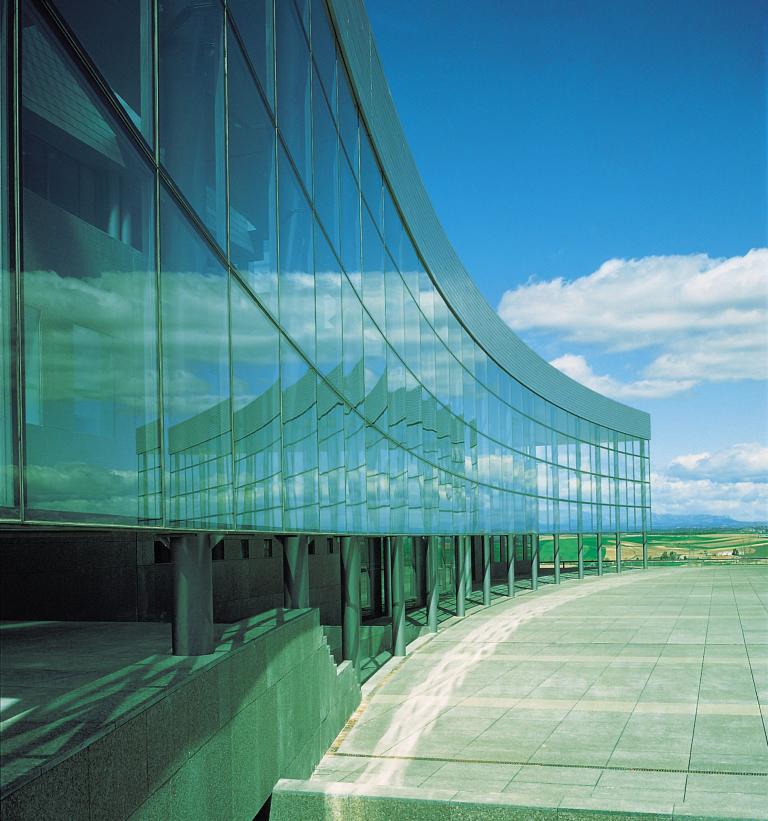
x,y
114,577
214,745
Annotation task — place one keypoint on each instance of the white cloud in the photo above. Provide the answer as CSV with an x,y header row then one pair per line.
x,y
708,316
746,461
578,368
745,501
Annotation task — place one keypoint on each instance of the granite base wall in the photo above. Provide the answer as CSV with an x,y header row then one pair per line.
x,y
212,746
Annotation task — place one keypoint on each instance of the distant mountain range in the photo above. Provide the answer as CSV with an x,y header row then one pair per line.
x,y
665,521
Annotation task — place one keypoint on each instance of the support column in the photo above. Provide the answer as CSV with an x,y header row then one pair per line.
x,y
534,561
618,552
192,630
510,565
433,584
295,572
645,550
486,570
397,576
461,576
556,556
350,599
469,557
580,552
386,549
599,540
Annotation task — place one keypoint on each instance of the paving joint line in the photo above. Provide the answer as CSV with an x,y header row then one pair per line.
x,y
550,764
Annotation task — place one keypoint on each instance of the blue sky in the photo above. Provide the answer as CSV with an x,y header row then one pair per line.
x,y
610,158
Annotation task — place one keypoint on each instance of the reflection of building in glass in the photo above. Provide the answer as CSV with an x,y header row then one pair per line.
x,y
351,381
238,353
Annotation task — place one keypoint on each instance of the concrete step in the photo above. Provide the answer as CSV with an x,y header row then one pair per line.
x,y
317,800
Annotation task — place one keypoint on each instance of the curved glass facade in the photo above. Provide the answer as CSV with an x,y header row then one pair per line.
x,y
227,320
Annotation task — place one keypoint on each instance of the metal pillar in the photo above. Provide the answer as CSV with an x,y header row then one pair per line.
x,y
397,576
645,550
556,556
580,552
295,572
618,552
350,593
469,556
461,575
433,583
192,630
386,545
534,561
510,565
486,570
598,539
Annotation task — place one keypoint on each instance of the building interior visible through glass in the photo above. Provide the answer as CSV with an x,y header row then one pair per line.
x,y
231,319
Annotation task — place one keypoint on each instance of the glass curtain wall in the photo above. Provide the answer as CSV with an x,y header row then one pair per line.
x,y
226,322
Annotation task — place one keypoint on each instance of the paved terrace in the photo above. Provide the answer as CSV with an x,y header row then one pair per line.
x,y
635,694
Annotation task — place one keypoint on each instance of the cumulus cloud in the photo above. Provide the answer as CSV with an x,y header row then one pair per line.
x,y
708,317
577,367
744,501
746,461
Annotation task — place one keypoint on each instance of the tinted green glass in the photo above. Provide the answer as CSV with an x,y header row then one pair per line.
x,y
255,24
297,272
191,105
252,201
348,120
328,311
350,224
324,51
89,301
117,34
300,454
196,389
293,89
257,422
8,489
325,148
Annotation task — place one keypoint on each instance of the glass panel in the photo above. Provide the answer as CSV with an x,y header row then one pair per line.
x,y
324,50
325,147
350,225
89,290
257,423
328,311
118,38
297,278
8,490
198,441
255,24
191,105
370,176
293,88
252,242
347,116
373,271
300,474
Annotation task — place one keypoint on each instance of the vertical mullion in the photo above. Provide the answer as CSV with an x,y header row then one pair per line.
x,y
16,264
233,461
164,501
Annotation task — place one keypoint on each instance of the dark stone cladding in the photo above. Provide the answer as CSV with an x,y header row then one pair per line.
x,y
456,285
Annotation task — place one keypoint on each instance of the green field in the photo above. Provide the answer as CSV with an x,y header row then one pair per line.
x,y
678,546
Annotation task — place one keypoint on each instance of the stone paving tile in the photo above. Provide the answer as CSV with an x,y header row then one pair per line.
x,y
650,689
484,777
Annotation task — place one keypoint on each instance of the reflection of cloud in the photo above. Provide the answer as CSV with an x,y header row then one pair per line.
x,y
94,333
84,488
745,500
709,316
746,461
579,369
